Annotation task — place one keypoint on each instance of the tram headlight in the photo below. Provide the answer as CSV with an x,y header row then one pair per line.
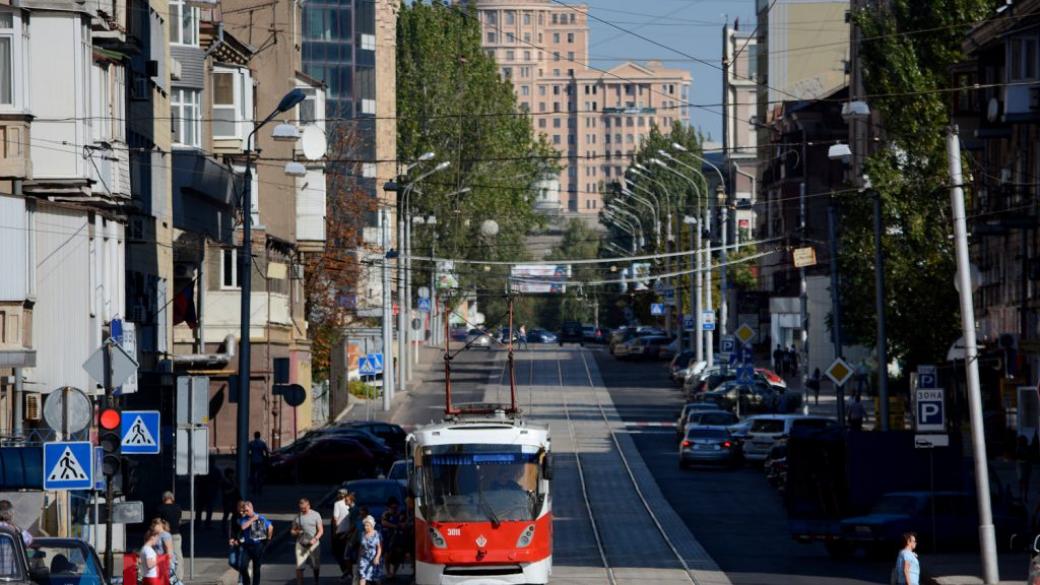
x,y
525,537
437,538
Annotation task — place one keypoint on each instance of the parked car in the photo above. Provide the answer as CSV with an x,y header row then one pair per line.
x,y
64,561
380,449
627,334
459,334
374,493
770,377
742,429
399,472
571,332
541,336
645,348
767,429
684,414
333,458
478,338
694,382
392,434
708,446
743,397
677,366
592,334
955,520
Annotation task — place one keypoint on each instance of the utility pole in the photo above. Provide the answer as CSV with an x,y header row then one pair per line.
x,y
696,285
987,536
388,331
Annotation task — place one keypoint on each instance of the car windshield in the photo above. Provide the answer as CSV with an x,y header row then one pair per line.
x,y
897,504
767,426
705,434
375,493
480,483
60,564
718,418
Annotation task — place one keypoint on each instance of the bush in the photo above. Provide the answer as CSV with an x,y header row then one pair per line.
x,y
363,390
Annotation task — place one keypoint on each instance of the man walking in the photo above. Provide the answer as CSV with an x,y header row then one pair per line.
x,y
813,383
341,530
169,511
778,360
254,532
308,530
522,339
258,454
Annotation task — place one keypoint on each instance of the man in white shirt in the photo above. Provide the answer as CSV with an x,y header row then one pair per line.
x,y
341,530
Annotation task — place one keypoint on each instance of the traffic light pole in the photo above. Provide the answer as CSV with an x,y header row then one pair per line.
x,y
109,559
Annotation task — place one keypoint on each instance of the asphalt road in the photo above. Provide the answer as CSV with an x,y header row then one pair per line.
x,y
734,513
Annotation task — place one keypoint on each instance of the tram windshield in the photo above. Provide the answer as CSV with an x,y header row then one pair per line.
x,y
480,483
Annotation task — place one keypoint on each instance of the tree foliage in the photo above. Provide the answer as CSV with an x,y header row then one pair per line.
x,y
906,73
451,100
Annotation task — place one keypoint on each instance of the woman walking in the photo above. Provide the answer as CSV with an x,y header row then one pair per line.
x,y
371,554
907,570
150,558
164,546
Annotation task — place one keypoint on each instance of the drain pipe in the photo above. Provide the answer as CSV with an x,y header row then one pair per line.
x,y
209,360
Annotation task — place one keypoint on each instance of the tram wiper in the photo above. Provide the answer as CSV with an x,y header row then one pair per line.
x,y
488,510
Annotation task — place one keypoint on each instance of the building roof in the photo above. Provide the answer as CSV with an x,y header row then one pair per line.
x,y
632,71
1011,16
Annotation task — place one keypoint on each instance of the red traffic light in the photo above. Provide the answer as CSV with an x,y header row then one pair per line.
x,y
110,419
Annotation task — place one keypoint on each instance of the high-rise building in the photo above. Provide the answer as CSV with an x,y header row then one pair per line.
x,y
594,118
739,132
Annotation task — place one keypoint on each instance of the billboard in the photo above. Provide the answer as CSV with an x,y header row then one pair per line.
x,y
539,278
447,278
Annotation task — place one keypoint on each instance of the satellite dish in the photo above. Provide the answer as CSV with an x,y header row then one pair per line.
x,y
313,143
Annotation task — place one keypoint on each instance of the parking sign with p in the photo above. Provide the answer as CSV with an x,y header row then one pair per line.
x,y
930,412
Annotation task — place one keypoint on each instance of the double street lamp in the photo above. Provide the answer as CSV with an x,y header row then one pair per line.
x,y
286,133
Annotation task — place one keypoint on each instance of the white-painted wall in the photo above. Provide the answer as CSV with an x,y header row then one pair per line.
x,y
59,79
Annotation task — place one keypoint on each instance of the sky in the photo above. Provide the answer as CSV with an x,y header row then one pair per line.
x,y
693,27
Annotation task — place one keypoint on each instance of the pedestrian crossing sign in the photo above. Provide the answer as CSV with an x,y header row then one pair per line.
x,y
68,465
140,432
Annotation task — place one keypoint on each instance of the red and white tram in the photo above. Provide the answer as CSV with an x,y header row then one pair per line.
x,y
483,512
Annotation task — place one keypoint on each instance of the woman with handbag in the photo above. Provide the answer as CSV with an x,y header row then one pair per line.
x,y
308,530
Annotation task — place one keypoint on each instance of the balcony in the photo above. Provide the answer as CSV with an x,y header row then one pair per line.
x,y
14,153
204,195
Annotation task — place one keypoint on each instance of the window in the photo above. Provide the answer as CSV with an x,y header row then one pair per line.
x,y
229,268
573,18
527,54
555,19
642,121
510,17
510,55
233,102
368,170
570,55
556,90
556,138
629,139
570,37
525,72
309,106
507,72
491,17
556,37
527,38
1023,58
541,90
556,72
556,57
184,117
491,37
510,37
368,106
556,122
527,18
12,60
184,23
541,122
556,107
617,138
607,138
525,90
368,42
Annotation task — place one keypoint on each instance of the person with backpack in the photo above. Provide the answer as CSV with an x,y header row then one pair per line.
x,y
254,533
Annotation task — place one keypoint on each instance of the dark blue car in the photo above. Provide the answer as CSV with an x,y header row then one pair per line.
x,y
374,493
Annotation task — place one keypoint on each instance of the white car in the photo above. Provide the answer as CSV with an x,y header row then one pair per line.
x,y
767,428
719,420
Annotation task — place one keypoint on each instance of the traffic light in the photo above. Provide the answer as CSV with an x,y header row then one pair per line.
x,y
110,439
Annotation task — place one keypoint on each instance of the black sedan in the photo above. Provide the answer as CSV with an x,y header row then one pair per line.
x,y
332,457
571,332
392,434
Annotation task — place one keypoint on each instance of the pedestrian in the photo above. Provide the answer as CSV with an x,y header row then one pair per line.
x,y
7,519
229,500
370,555
857,413
814,384
778,360
164,546
258,454
150,558
908,569
254,533
392,524
169,511
308,530
522,338
793,353
341,530
1024,465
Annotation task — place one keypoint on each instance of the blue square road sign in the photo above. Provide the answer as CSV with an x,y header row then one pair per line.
x,y
68,465
140,432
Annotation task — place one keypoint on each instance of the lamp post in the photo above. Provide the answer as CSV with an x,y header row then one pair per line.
x,y
245,281
697,282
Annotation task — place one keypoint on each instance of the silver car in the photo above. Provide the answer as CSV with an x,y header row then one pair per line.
x,y
708,446
478,338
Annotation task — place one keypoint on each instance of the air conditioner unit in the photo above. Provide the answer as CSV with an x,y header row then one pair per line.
x,y
33,406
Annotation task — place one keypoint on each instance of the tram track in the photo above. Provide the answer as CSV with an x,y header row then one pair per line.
x,y
587,499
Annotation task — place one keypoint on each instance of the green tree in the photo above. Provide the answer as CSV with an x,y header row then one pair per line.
x,y
452,100
907,73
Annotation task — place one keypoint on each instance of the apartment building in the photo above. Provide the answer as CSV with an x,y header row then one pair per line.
x,y
740,153
596,119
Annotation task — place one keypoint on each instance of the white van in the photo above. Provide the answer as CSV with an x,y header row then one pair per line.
x,y
767,428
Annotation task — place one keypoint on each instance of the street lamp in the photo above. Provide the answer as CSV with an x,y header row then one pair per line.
x,y
245,273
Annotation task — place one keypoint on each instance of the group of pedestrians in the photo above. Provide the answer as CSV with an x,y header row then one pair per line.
x,y
785,361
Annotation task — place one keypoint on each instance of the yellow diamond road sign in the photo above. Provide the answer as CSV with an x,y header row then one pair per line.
x,y
744,333
839,372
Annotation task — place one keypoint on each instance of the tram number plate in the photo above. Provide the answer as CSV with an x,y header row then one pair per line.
x,y
454,532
